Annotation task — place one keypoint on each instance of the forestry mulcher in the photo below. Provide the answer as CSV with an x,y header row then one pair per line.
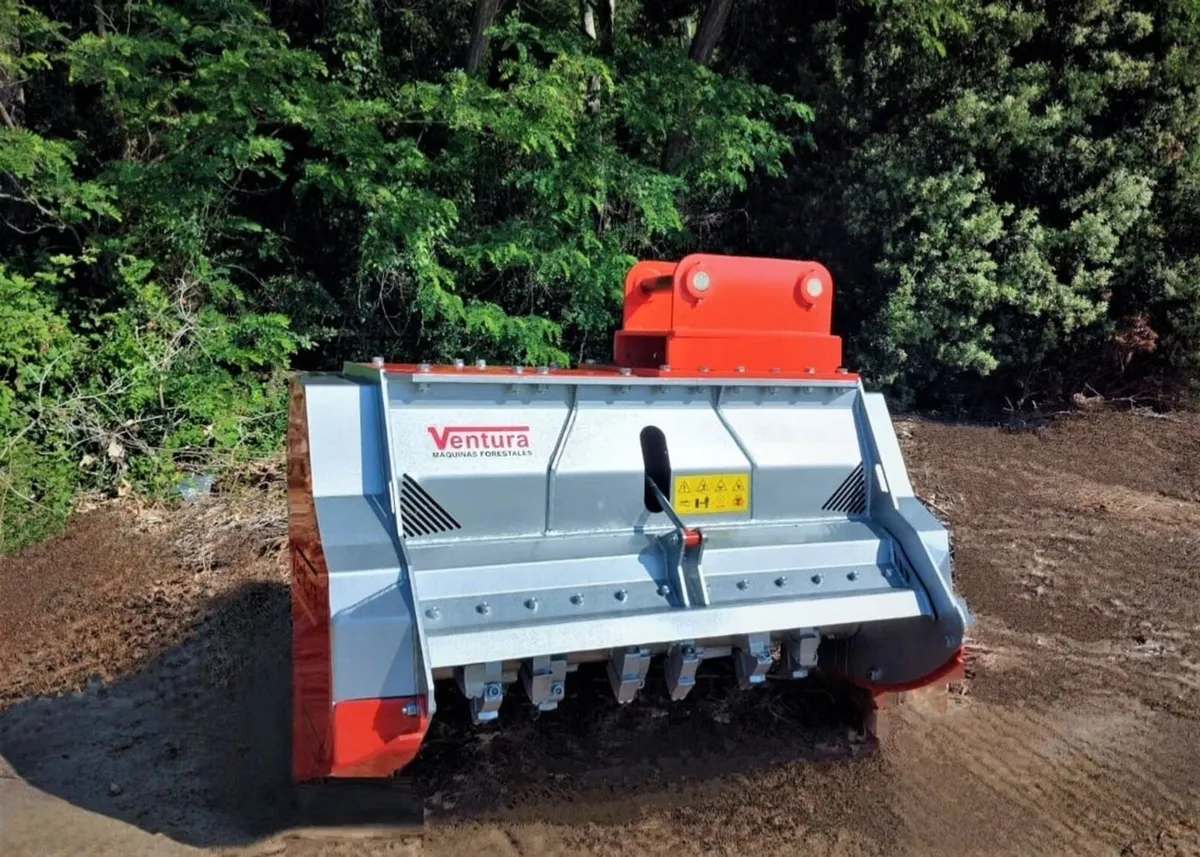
x,y
725,489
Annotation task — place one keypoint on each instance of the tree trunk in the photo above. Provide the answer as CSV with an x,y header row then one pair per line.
x,y
703,43
596,19
709,31
485,16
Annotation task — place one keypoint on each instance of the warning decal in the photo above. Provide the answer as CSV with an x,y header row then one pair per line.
x,y
712,494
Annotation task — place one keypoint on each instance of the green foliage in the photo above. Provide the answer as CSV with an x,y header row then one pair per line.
x,y
197,198
193,204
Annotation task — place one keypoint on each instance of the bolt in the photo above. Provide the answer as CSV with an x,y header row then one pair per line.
x,y
492,690
625,370
781,581
531,603
739,368
458,363
376,361
483,609
875,674
703,368
480,364
433,613
411,709
520,370
701,281
543,370
842,370
424,367
664,590
817,579
811,371
577,599
852,575
557,689
621,594
666,367
743,585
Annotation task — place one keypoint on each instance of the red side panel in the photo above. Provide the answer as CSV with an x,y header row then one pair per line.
x,y
377,737
356,738
312,682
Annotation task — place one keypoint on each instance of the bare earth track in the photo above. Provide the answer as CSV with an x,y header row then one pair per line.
x,y
143,692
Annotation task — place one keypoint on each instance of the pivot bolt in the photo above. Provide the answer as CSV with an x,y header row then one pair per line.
x,y
483,609
743,585
852,575
817,579
492,690
664,590
781,581
577,599
557,689
531,603
433,613
621,594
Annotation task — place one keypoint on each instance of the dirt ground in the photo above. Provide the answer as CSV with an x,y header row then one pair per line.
x,y
144,682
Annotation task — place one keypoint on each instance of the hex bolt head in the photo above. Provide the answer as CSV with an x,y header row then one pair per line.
x,y
483,609
811,371
739,368
817,579
492,690
531,603
557,689
577,599
704,369
411,709
664,590
433,613
743,585
781,581
621,594
852,575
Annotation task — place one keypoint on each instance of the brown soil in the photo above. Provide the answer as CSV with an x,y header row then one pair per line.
x,y
143,691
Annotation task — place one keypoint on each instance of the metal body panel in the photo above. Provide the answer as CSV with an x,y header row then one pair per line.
x,y
470,520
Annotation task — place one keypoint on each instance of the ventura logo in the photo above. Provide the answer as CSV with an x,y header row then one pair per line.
x,y
480,441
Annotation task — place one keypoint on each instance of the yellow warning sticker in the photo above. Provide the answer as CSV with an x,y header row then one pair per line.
x,y
712,494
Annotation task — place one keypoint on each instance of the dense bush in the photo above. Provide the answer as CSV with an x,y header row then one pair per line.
x,y
198,196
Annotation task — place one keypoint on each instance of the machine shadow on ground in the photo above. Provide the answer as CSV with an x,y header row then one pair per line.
x,y
195,745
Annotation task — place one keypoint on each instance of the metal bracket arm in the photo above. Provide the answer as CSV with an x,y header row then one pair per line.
x,y
684,549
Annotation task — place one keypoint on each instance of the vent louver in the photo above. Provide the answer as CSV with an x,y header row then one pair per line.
x,y
420,514
851,496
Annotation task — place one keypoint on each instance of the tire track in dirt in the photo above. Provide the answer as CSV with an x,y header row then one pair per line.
x,y
1088,780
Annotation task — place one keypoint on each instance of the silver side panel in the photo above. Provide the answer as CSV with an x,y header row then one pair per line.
x,y
470,520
